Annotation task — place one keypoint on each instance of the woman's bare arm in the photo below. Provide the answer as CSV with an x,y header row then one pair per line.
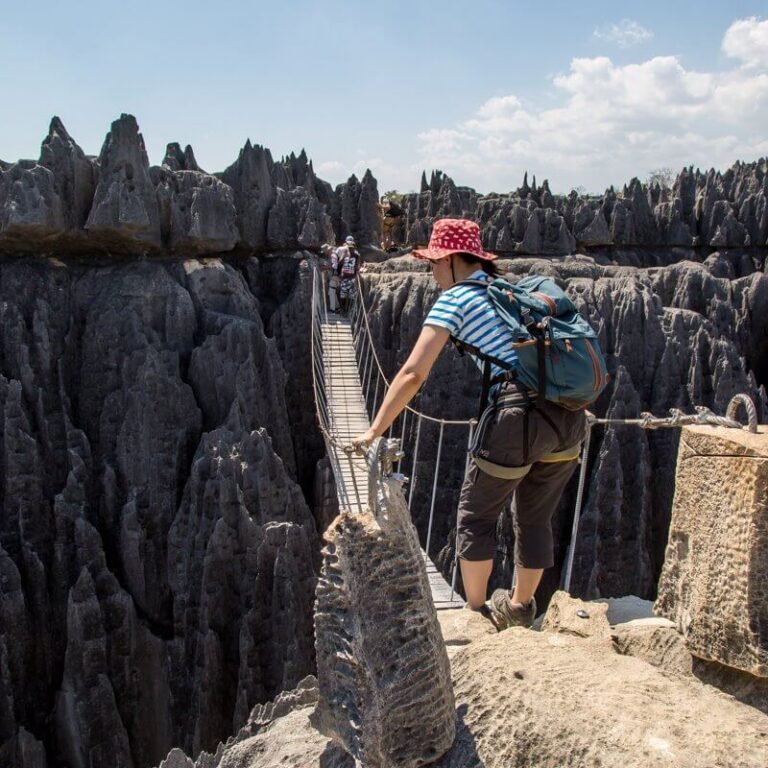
x,y
407,382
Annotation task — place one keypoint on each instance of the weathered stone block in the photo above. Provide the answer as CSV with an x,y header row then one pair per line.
x,y
383,671
714,584
572,616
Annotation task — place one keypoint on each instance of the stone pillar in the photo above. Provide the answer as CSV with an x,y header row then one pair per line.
x,y
714,584
382,667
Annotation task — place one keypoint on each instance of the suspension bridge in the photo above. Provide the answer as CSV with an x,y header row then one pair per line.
x,y
348,378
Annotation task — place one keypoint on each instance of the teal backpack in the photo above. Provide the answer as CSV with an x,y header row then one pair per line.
x,y
558,353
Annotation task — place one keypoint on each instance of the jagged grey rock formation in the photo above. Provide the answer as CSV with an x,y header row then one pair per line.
x,y
283,205
197,212
546,233
358,212
385,689
713,581
125,207
298,218
42,201
177,160
591,227
30,207
279,205
369,223
157,555
289,323
250,179
118,204
713,209
74,174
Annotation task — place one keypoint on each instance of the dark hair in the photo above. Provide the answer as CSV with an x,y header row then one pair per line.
x,y
489,267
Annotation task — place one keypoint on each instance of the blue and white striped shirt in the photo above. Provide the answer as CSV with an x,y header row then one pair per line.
x,y
467,314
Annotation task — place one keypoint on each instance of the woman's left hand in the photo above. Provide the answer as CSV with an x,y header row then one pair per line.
x,y
362,442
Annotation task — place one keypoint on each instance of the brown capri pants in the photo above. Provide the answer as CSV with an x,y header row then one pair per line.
x,y
513,435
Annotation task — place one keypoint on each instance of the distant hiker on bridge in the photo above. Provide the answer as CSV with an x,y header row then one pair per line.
x,y
349,264
332,267
522,443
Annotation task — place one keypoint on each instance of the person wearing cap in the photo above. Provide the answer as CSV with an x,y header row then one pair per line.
x,y
349,266
511,433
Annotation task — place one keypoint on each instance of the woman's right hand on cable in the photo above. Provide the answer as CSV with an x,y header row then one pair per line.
x,y
362,442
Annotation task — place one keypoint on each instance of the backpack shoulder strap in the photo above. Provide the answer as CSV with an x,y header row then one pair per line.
x,y
341,254
463,347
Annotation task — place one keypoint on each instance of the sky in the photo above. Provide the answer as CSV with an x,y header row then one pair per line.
x,y
584,94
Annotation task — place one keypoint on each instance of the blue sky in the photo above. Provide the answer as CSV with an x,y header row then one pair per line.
x,y
582,93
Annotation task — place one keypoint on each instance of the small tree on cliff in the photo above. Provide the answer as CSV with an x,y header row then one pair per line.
x,y
664,177
393,195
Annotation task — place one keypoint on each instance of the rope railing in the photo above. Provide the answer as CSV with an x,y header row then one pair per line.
x,y
383,455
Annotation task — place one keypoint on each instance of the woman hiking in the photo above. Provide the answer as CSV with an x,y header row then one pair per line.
x,y
521,444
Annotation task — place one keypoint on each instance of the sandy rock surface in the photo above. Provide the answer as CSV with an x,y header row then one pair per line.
x,y
544,699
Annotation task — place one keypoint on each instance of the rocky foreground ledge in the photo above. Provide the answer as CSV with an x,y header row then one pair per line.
x,y
565,696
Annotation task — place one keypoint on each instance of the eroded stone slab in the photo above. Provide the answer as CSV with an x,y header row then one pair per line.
x,y
572,616
714,584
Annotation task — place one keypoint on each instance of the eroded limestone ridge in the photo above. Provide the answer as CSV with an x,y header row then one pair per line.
x,y
714,584
383,672
117,204
700,209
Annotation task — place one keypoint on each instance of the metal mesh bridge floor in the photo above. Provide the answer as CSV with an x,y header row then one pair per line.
x,y
344,394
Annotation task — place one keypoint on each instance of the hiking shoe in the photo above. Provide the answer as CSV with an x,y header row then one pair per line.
x,y
485,611
505,613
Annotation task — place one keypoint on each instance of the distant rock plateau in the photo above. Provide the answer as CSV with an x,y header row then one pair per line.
x,y
118,204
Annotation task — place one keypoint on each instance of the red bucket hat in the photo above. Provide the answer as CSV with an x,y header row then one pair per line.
x,y
453,236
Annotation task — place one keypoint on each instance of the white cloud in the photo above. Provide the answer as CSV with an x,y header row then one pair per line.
x,y
747,40
389,175
612,122
329,166
625,34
